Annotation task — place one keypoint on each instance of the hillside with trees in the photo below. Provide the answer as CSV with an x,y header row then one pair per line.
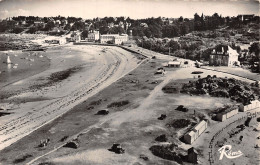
x,y
183,37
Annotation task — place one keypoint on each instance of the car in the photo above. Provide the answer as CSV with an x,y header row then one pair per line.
x,y
103,112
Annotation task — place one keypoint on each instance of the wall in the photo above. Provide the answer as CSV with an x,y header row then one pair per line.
x,y
221,117
253,105
188,139
195,133
218,60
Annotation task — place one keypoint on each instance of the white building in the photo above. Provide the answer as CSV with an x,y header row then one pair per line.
x,y
121,39
175,64
93,36
223,55
198,129
253,105
113,38
227,114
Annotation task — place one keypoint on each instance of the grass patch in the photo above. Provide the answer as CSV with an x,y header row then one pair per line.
x,y
170,89
62,75
166,152
180,123
22,159
221,87
56,77
118,104
98,102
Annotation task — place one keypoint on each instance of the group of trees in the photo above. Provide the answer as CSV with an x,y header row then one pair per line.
x,y
156,27
208,22
192,50
181,26
254,61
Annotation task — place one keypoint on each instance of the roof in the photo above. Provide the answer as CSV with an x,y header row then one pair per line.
x,y
174,63
226,110
199,125
110,35
255,101
121,36
220,48
191,133
224,50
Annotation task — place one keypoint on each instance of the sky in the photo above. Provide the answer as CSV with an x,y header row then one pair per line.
x,y
88,9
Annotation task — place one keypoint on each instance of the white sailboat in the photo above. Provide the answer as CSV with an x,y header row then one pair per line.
x,y
8,61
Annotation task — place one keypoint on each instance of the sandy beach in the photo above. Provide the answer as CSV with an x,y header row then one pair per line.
x,y
34,101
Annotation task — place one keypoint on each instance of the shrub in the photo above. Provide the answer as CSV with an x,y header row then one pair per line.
x,y
161,138
170,89
180,123
17,30
118,104
166,152
220,93
98,102
182,108
22,159
196,72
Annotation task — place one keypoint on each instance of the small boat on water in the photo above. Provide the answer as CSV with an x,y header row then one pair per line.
x,y
8,61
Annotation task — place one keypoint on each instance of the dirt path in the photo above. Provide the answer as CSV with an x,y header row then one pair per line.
x,y
115,63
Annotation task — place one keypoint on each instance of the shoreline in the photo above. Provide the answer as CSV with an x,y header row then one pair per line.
x,y
108,73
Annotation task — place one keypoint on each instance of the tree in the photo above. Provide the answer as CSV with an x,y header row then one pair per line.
x,y
78,26
32,30
174,45
67,27
170,31
138,31
180,19
84,34
147,32
103,30
3,26
156,30
186,20
184,28
196,17
255,59
49,26
17,30
254,48
116,30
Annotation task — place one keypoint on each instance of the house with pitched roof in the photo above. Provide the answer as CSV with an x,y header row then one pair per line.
x,y
223,55
197,130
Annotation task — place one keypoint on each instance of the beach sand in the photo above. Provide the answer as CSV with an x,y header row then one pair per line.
x,y
74,73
